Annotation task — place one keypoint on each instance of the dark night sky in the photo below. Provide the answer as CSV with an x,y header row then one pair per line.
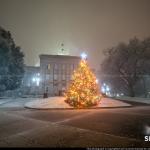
x,y
40,26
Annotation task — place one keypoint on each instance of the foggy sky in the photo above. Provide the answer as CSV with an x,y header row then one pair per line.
x,y
40,26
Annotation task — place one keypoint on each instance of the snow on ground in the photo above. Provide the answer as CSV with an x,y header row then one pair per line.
x,y
14,102
52,102
3,101
135,99
59,103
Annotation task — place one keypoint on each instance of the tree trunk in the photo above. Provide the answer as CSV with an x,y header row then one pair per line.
x,y
131,91
144,86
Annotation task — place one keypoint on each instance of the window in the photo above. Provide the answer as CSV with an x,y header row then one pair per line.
x,y
68,77
51,78
55,84
55,66
64,85
56,72
55,77
47,77
49,66
29,84
67,69
56,69
72,66
63,77
63,66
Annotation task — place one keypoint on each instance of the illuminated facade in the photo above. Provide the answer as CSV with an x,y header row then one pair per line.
x,y
56,72
53,75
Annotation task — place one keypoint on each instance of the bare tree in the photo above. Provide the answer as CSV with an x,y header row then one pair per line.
x,y
126,64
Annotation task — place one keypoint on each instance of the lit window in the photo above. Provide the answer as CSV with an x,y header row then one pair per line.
x,y
55,77
49,66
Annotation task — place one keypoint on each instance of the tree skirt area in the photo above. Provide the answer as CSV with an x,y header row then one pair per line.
x,y
59,103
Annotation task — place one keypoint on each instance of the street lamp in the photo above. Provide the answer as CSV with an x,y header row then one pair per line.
x,y
105,89
83,56
36,79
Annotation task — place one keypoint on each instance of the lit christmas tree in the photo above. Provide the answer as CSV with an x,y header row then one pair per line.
x,y
83,91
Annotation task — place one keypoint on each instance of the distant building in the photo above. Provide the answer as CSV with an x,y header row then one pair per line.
x,y
56,72
52,76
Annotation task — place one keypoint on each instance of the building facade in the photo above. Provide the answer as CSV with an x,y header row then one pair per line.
x,y
52,76
56,72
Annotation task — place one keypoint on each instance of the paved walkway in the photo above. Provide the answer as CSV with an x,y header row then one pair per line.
x,y
116,127
134,99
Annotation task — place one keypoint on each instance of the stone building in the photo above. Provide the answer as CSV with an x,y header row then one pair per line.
x,y
56,72
52,76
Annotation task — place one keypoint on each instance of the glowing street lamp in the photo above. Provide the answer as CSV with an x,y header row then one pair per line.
x,y
105,88
83,56
36,79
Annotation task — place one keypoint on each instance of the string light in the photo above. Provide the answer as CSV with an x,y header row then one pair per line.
x,y
83,90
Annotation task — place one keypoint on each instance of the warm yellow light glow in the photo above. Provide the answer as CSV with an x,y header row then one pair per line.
x,y
83,91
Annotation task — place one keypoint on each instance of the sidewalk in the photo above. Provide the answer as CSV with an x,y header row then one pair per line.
x,y
134,99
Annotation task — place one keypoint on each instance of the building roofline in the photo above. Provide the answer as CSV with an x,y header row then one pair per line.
x,y
36,67
58,56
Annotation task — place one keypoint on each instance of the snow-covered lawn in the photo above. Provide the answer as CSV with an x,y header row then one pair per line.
x,y
3,101
135,99
14,102
59,103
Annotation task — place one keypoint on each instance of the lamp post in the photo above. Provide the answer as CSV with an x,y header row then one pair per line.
x,y
83,56
36,80
105,89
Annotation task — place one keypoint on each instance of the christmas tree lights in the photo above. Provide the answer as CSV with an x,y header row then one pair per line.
x,y
83,91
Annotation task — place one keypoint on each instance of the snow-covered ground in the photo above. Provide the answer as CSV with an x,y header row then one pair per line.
x,y
135,99
14,102
59,103
3,101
